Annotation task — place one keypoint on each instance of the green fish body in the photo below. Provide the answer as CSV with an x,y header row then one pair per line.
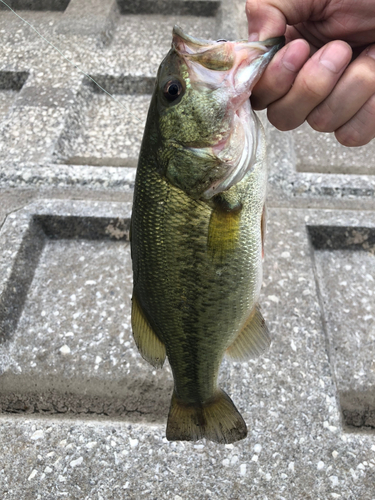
x,y
197,228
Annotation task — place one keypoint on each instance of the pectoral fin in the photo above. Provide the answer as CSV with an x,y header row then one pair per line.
x,y
149,345
253,340
224,229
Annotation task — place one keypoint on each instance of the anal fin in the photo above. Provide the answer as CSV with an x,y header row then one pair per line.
x,y
253,340
149,345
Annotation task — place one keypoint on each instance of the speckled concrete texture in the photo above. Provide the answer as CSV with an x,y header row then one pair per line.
x,y
83,416
296,442
55,118
75,268
321,153
287,185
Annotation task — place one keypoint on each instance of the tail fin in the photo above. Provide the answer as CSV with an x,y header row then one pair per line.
x,y
217,420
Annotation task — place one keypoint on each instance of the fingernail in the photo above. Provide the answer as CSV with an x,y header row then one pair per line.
x,y
334,58
288,60
371,51
253,37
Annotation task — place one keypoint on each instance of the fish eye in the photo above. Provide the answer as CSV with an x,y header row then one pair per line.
x,y
172,90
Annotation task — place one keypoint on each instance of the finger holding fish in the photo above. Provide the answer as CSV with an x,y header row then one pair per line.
x,y
279,76
296,88
325,27
352,119
313,84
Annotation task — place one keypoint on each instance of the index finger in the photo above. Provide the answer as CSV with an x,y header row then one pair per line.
x,y
265,21
280,74
269,18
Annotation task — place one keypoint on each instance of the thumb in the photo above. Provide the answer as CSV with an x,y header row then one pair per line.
x,y
265,20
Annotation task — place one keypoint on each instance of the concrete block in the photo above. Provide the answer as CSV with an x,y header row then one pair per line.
x,y
89,18
82,127
30,132
344,263
296,442
102,131
322,154
54,265
287,185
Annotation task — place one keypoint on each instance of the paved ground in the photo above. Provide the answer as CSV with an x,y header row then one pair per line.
x,y
82,415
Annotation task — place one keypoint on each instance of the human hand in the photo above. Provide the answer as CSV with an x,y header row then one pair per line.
x,y
326,72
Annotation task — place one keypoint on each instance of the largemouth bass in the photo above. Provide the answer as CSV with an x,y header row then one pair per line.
x,y
198,226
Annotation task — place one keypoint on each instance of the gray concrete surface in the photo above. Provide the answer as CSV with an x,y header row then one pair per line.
x,y
82,414
321,153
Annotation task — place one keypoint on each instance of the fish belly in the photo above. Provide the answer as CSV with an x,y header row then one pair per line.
x,y
195,303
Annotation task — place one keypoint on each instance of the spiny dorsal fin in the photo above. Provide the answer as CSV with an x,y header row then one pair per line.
x,y
217,420
253,340
149,345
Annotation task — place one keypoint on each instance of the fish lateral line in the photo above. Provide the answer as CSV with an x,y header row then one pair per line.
x,y
66,58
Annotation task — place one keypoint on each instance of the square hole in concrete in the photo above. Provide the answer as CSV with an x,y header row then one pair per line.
x,y
103,131
178,7
11,83
71,351
345,273
54,5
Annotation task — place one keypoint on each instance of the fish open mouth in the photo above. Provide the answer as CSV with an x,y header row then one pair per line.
x,y
230,70
240,62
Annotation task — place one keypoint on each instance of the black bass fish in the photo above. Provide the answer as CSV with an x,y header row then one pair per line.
x,y
198,226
